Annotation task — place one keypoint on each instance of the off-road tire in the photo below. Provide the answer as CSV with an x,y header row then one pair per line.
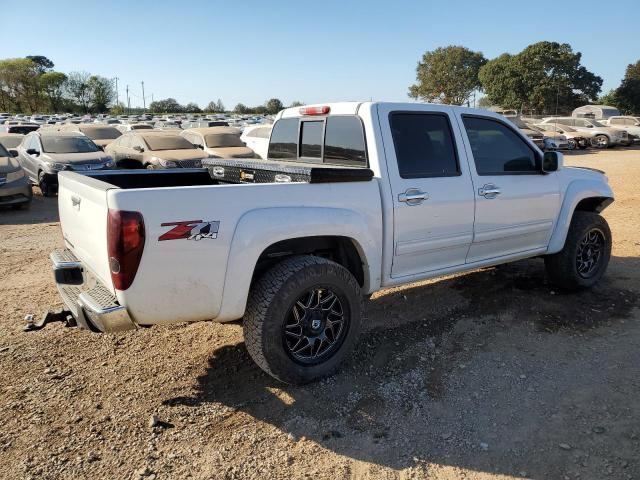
x,y
561,267
272,298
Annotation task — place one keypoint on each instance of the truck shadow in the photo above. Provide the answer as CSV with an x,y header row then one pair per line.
x,y
488,371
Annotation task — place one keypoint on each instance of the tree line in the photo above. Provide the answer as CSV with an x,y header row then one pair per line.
x,y
171,105
545,78
31,85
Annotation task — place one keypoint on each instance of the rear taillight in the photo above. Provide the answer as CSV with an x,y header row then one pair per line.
x,y
125,243
324,110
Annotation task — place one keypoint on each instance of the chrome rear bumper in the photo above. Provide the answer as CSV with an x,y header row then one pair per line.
x,y
91,303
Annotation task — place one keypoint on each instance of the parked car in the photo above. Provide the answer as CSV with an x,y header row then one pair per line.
x,y
15,188
128,127
257,139
575,139
204,124
628,123
167,125
102,135
603,137
430,190
44,154
535,136
220,142
554,140
10,141
22,128
153,149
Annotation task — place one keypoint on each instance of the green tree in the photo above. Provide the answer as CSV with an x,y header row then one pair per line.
x,y
19,84
543,77
296,103
628,93
102,93
211,107
192,108
273,106
53,86
43,64
220,106
447,75
168,105
240,108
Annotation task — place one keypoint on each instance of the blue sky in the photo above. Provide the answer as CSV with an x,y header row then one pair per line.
x,y
248,51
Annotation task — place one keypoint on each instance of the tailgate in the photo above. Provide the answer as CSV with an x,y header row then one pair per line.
x,y
82,203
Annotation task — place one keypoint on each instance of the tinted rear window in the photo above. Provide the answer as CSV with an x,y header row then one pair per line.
x,y
223,140
311,139
344,142
424,145
284,139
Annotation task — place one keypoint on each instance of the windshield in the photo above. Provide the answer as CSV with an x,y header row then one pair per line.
x,y
173,142
3,151
68,145
223,140
101,133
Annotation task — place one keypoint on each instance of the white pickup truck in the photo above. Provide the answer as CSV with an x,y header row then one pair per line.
x,y
355,197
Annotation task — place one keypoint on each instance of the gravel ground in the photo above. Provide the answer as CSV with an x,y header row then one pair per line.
x,y
486,375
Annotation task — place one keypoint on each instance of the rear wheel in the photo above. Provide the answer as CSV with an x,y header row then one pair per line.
x,y
303,318
586,253
571,144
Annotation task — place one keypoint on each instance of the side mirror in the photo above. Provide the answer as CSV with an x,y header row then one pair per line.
x,y
138,149
33,151
552,162
13,152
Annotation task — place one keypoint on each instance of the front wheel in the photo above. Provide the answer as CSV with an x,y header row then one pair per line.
x,y
44,182
600,141
303,318
586,253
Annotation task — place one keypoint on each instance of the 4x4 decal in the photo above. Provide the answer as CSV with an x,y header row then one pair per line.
x,y
191,230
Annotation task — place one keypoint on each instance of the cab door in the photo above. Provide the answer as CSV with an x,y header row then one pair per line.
x,y
433,202
516,205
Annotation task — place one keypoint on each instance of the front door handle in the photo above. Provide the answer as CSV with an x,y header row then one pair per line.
x,y
489,191
413,196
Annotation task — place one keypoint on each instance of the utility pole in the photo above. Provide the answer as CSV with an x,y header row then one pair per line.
x,y
128,102
117,95
144,103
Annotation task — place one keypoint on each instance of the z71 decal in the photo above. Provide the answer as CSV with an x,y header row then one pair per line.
x,y
191,230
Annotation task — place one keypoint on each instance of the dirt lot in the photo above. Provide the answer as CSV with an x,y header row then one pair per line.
x,y
486,375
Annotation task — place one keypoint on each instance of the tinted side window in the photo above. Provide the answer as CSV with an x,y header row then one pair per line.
x,y
284,139
424,145
344,141
497,149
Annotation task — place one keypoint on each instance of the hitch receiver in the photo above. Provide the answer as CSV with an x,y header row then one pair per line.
x,y
60,315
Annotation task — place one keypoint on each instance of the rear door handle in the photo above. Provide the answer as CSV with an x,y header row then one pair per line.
x,y
413,196
489,191
75,201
